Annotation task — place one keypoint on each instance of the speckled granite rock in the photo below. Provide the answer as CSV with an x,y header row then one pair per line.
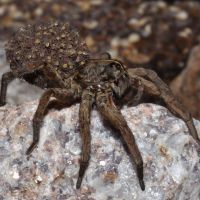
x,y
171,159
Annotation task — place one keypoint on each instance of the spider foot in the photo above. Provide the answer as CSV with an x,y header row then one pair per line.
x,y
140,176
142,185
78,183
83,167
31,148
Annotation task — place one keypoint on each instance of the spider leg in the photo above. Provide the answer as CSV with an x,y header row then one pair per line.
x,y
84,119
134,100
56,104
157,87
113,115
67,95
6,79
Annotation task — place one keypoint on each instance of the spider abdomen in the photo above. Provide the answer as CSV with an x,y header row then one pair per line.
x,y
54,45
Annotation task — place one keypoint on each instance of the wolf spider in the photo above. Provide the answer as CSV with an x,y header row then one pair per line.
x,y
60,62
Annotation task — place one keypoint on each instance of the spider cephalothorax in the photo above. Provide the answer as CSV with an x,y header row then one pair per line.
x,y
52,56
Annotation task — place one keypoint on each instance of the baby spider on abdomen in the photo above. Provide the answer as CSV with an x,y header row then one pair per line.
x,y
52,56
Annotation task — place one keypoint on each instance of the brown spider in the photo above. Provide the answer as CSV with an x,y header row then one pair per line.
x,y
52,56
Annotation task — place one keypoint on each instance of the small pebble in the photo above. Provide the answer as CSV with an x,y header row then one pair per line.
x,y
133,38
182,15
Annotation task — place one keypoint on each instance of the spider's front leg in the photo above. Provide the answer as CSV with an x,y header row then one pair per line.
x,y
153,85
63,95
113,115
84,119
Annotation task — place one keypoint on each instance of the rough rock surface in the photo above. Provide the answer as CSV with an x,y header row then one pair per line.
x,y
171,157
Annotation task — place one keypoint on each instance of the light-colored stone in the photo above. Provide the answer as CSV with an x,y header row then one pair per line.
x,y
134,37
171,158
182,15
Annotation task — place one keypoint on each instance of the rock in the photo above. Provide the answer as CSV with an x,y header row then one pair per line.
x,y
186,86
171,157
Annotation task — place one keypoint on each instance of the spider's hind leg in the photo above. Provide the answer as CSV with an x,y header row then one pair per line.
x,y
6,79
155,86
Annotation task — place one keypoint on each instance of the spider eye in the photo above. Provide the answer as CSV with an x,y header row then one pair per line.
x,y
113,65
116,66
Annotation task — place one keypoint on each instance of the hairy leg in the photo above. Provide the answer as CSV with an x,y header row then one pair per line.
x,y
84,118
154,85
56,104
136,98
110,112
6,79
64,95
